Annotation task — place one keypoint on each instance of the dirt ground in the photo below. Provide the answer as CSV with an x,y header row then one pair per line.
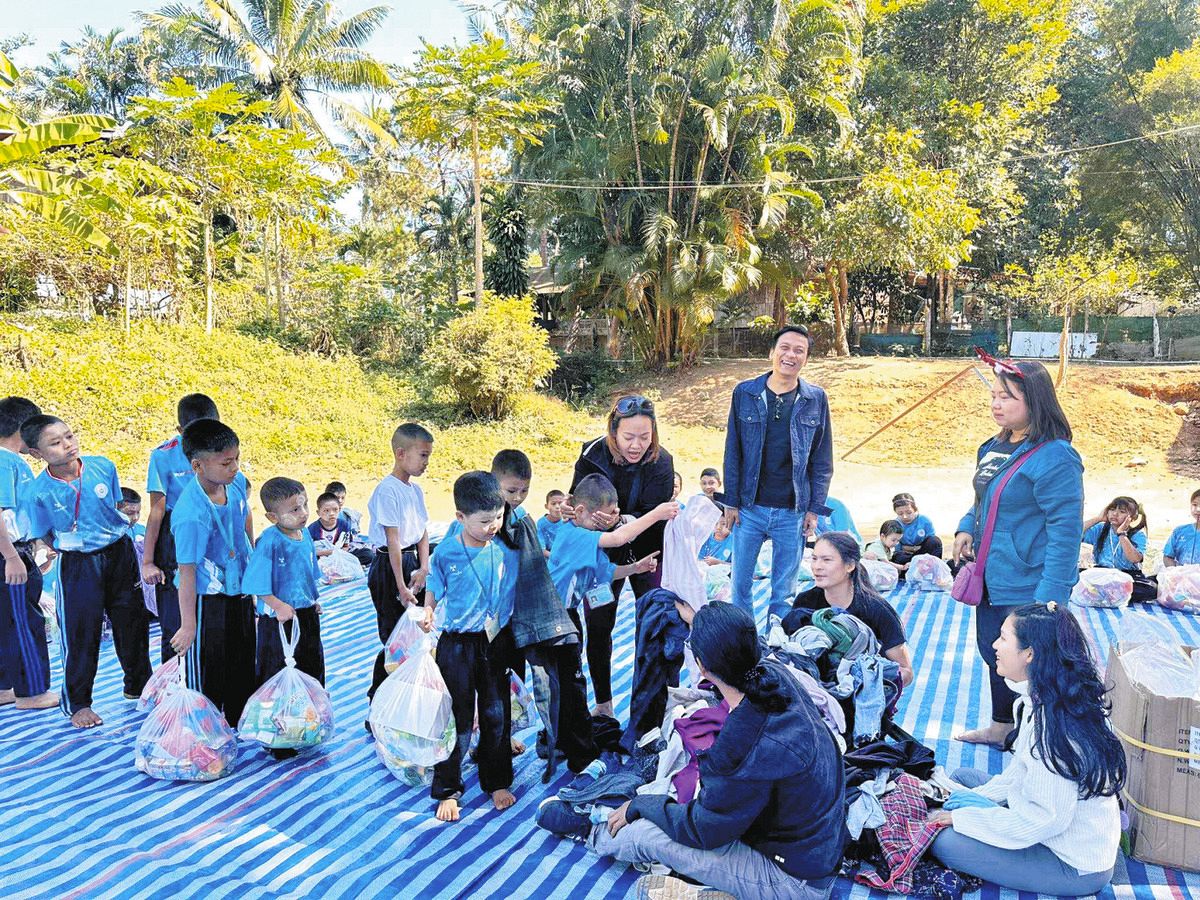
x,y
1137,429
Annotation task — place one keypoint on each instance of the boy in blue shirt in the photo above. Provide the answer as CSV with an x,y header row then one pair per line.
x,y
548,525
131,508
581,570
73,506
919,534
719,546
283,575
169,473
24,660
465,595
212,548
1183,546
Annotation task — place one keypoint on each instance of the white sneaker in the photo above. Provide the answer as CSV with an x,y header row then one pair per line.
x,y
668,887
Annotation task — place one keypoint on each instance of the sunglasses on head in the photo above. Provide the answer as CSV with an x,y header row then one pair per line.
x,y
633,406
999,366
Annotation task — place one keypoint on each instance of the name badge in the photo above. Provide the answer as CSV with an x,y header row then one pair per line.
x,y
70,540
600,595
491,627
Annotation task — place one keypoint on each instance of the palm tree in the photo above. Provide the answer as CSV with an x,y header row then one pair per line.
x,y
96,74
446,230
290,52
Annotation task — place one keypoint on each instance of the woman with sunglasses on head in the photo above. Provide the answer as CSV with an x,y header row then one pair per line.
x,y
642,471
1034,547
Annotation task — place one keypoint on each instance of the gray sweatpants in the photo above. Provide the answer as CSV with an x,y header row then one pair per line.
x,y
735,868
1036,869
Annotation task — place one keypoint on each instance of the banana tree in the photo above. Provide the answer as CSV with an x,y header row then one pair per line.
x,y
32,181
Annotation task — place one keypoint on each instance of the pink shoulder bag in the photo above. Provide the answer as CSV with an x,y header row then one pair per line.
x,y
968,583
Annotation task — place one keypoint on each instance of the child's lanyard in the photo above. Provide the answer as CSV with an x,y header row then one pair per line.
x,y
490,623
219,520
78,493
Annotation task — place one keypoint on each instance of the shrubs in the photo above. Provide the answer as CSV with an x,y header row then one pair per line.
x,y
491,355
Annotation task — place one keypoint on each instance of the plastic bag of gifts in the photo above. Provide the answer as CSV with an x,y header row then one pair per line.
x,y
928,573
339,566
522,703
185,737
292,710
412,720
405,638
883,575
718,583
163,678
1105,588
1179,588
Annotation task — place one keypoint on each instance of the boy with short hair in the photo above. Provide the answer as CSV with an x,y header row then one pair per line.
x,y
466,596
330,525
580,569
352,517
399,532
24,659
882,548
212,548
168,474
549,524
710,482
1183,546
73,506
131,508
919,534
283,574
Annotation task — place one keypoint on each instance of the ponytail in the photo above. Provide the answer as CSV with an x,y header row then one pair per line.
x,y
725,640
764,689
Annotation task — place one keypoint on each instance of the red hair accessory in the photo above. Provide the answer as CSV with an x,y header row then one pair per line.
x,y
999,366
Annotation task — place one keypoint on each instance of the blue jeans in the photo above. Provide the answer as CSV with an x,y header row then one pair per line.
x,y
755,525
1035,869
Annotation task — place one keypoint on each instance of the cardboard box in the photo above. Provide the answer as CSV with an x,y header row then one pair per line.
x,y
1161,736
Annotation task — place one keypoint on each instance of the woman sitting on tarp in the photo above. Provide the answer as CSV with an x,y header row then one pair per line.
x,y
1049,823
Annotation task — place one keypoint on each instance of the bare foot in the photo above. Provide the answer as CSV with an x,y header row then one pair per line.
x,y
603,709
47,700
447,810
993,735
517,747
85,718
503,798
7,697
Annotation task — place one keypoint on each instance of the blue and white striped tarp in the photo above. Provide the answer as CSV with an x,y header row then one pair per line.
x,y
77,820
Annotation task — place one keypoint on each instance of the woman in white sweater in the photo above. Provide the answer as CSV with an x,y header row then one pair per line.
x,y
1050,822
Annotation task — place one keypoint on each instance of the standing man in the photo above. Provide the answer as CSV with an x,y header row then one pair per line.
x,y
778,465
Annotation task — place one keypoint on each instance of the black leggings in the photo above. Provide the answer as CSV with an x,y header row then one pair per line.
x,y
600,623
988,620
931,545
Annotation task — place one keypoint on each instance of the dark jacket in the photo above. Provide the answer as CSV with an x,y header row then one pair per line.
x,y
658,657
773,781
640,488
812,445
538,613
1034,553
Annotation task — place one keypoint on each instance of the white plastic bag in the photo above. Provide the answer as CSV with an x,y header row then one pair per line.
x,y
291,710
928,573
1161,669
412,720
762,568
1137,627
883,575
1103,588
718,583
1179,588
522,704
682,569
164,677
185,738
339,566
407,638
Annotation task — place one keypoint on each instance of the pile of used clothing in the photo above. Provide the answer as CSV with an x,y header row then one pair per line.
x,y
841,655
889,789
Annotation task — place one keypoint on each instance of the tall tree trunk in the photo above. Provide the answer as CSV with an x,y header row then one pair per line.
x,y
209,312
844,289
778,310
633,133
477,212
833,280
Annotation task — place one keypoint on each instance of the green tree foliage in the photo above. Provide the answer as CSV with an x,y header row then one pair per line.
x,y
491,355
505,271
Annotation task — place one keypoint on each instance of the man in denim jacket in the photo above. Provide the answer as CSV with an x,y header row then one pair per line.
x,y
778,465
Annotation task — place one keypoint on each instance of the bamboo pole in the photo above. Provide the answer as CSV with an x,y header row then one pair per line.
x,y
941,387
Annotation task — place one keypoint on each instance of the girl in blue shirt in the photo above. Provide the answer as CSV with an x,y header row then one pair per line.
x,y
1183,546
1118,539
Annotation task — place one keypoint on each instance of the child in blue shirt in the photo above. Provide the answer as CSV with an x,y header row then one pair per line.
x,y
839,519
548,525
465,596
1118,539
283,575
581,570
1183,546
24,659
719,546
73,506
168,474
919,534
209,525
131,508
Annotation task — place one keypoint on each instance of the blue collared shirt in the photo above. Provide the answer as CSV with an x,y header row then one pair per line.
x,y
170,471
212,538
1183,545
81,513
283,567
547,530
577,564
15,479
469,585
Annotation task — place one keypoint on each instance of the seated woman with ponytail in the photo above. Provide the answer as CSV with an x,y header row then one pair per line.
x,y
769,820
1049,823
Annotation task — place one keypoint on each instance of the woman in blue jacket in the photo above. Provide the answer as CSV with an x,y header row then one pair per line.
x,y
1034,553
769,820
